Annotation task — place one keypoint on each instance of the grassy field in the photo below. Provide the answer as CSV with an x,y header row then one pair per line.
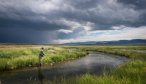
x,y
128,51
132,72
18,56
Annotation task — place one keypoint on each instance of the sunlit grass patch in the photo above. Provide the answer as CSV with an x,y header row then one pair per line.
x,y
13,57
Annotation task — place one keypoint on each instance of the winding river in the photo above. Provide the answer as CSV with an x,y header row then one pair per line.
x,y
94,63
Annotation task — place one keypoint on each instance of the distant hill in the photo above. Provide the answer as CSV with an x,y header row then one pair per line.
x,y
118,42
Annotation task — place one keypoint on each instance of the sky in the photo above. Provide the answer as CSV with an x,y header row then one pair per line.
x,y
64,21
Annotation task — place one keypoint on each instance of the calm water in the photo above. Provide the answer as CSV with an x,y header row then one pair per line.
x,y
94,63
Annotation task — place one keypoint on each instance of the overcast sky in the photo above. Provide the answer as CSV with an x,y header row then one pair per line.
x,y
61,21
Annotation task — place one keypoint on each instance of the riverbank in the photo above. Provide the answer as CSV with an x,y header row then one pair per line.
x,y
132,72
95,63
20,56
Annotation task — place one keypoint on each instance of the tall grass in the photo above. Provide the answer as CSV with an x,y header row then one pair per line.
x,y
132,72
14,57
116,50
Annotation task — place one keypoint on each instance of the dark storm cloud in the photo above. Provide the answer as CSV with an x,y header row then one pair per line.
x,y
48,14
16,13
17,35
137,4
27,24
51,15
103,13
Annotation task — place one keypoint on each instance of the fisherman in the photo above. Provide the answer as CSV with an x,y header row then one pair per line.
x,y
41,54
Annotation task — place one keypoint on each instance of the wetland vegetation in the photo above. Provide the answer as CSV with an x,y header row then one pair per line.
x,y
131,72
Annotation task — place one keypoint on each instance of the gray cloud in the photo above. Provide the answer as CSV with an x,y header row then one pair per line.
x,y
51,15
27,24
103,14
137,4
17,35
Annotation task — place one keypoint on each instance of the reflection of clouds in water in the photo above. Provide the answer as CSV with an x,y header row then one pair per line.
x,y
88,64
87,61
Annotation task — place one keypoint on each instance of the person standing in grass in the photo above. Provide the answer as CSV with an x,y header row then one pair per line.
x,y
41,54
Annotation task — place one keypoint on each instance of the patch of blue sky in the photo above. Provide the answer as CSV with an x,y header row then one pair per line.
x,y
95,33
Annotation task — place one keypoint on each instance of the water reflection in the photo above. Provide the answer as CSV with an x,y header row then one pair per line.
x,y
94,63
40,75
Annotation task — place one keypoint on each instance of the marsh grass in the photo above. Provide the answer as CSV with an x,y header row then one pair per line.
x,y
132,72
14,57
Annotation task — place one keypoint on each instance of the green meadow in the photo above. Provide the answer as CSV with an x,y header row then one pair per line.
x,y
20,56
131,72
